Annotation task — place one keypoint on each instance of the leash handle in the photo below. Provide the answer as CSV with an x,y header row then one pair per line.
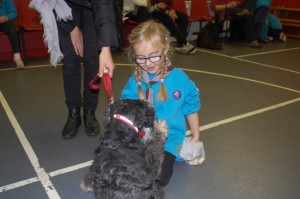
x,y
108,86
95,84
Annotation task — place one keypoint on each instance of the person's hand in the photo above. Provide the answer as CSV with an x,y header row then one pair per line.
x,y
77,41
232,4
173,14
3,19
106,61
161,6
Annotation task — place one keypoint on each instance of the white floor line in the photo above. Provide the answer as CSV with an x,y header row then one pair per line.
x,y
268,52
202,128
41,173
252,62
242,78
245,115
51,174
70,169
18,184
267,65
214,53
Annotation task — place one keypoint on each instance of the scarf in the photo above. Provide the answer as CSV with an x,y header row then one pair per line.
x,y
64,12
149,83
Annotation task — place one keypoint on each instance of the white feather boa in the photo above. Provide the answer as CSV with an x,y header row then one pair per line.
x,y
45,9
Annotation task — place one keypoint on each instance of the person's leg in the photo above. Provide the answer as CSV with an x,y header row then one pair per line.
x,y
238,30
72,80
91,68
277,35
250,31
260,18
10,30
182,45
182,23
167,169
171,26
141,15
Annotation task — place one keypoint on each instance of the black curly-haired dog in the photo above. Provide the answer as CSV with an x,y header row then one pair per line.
x,y
128,159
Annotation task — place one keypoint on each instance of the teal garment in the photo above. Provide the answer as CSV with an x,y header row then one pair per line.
x,y
8,8
265,3
264,31
272,22
183,100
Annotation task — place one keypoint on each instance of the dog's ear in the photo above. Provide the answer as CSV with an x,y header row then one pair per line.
x,y
117,105
144,115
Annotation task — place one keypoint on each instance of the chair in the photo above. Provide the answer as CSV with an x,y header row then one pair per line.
x,y
179,5
199,12
29,20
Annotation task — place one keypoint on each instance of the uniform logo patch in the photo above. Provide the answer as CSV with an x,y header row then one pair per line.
x,y
177,94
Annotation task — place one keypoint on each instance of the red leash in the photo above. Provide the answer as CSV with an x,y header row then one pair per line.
x,y
95,84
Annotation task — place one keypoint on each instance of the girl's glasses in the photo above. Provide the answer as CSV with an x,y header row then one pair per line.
x,y
153,59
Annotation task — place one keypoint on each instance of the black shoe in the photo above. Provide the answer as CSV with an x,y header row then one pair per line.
x,y
92,127
74,121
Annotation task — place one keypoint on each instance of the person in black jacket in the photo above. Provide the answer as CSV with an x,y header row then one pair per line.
x,y
91,31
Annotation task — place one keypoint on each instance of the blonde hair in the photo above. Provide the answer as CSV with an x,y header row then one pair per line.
x,y
158,36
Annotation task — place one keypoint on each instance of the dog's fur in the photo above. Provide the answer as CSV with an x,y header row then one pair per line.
x,y
209,36
128,166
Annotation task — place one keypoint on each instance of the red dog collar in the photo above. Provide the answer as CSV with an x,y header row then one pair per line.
x,y
129,123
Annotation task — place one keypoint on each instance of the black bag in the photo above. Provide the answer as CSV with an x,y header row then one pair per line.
x,y
209,36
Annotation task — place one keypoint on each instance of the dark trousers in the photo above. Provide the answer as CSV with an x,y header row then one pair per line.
x,y
10,30
177,28
275,33
141,15
167,169
72,63
244,25
247,4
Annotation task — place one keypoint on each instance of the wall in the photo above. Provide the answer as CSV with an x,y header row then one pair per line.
x,y
286,3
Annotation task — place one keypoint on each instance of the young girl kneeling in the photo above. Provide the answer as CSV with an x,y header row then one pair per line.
x,y
169,89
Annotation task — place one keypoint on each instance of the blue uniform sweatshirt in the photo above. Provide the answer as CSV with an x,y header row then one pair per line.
x,y
183,100
8,8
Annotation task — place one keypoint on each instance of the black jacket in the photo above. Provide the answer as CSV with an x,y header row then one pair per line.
x,y
85,3
104,15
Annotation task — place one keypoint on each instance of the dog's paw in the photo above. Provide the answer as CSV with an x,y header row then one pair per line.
x,y
86,186
86,183
162,127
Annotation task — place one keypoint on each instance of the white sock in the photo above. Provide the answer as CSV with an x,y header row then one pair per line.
x,y
17,56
